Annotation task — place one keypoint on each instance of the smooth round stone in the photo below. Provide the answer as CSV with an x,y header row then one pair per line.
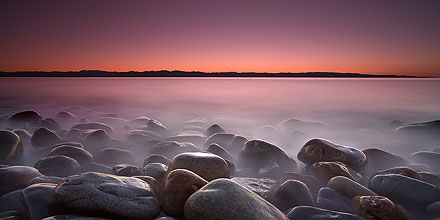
x,y
16,177
39,199
13,201
66,115
257,154
46,179
419,167
179,186
228,200
95,125
25,136
378,207
121,197
11,147
96,137
208,166
324,171
222,139
349,187
290,194
313,213
405,190
405,171
44,137
172,148
434,209
395,124
214,129
156,170
72,217
25,117
58,165
330,199
317,150
429,158
220,151
156,158
51,124
261,186
313,183
157,127
195,139
140,136
74,144
432,178
127,170
79,154
378,159
113,156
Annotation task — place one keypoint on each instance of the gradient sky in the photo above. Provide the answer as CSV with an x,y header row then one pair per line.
x,y
366,36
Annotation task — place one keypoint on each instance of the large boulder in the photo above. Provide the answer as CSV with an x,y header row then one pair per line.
x,y
58,165
108,195
44,137
99,137
317,150
208,166
172,148
228,200
79,154
290,194
378,207
40,200
11,148
73,217
313,213
257,154
179,186
16,177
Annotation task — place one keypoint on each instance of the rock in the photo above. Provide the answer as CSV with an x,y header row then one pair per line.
x,y
257,154
290,194
405,190
156,170
405,171
197,140
58,165
324,171
72,135
44,137
422,129
113,121
330,199
79,154
214,129
39,200
349,187
313,183
74,144
97,137
156,158
220,151
378,207
155,186
378,159
231,167
165,218
260,186
46,179
72,217
24,135
230,142
122,197
433,209
140,137
395,124
274,172
432,178
179,186
113,156
11,148
419,167
13,201
208,166
25,117
10,215
296,124
171,148
429,158
50,124
317,150
16,177
96,167
93,126
436,149
313,213
157,127
228,200
127,170
65,115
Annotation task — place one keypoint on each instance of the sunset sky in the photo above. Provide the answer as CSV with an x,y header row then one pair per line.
x,y
365,36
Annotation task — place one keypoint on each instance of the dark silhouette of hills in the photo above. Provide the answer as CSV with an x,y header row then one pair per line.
x,y
176,73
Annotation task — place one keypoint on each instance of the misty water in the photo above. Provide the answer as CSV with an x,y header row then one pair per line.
x,y
353,112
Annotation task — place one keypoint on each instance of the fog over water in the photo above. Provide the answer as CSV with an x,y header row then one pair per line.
x,y
353,112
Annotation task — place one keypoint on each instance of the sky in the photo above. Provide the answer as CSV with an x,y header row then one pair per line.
x,y
363,36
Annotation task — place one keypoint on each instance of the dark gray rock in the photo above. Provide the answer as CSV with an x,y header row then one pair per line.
x,y
433,210
46,179
25,136
50,124
58,165
214,129
208,166
73,217
324,171
96,137
96,167
313,183
14,201
290,194
40,200
156,170
156,158
405,171
432,178
25,117
11,147
349,187
197,140
88,126
113,156
79,154
66,115
260,186
313,213
220,151
378,159
43,137
332,200
127,170
16,177
429,158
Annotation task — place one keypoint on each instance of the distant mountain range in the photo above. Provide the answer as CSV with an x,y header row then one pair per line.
x,y
165,73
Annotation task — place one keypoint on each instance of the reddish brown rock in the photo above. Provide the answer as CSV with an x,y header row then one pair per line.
x,y
327,170
378,207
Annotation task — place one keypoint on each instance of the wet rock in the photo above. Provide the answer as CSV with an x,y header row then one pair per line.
x,y
179,186
290,194
313,183
378,207
156,170
208,166
197,140
313,213
220,151
405,171
16,177
214,129
44,137
127,170
260,186
25,117
122,197
93,126
156,158
349,187
257,154
429,158
432,178
113,156
58,165
226,199
79,154
433,209
11,147
172,148
317,150
46,179
96,167
405,190
324,171
156,187
40,200
330,199
378,159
